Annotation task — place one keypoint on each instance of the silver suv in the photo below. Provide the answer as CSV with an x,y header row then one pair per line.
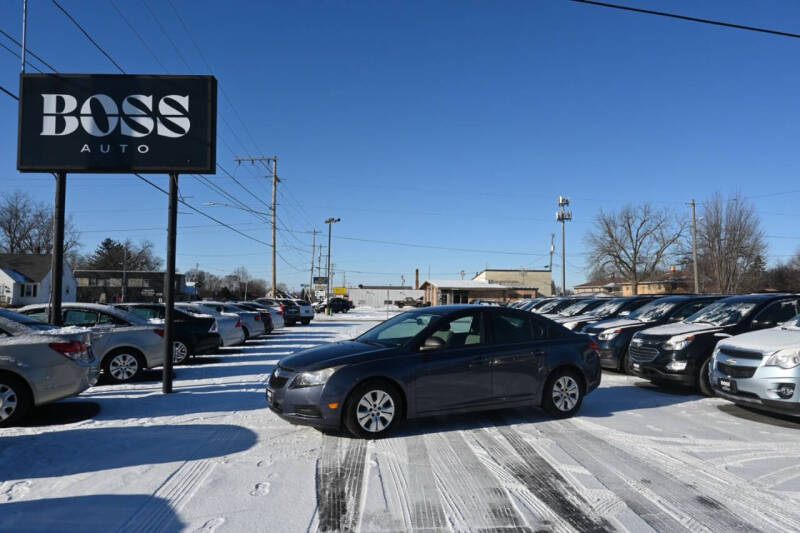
x,y
760,369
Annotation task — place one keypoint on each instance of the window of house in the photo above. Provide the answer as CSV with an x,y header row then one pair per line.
x,y
83,282
29,290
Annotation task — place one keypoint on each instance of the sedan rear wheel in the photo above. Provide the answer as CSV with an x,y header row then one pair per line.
x,y
563,393
373,410
122,366
180,352
15,400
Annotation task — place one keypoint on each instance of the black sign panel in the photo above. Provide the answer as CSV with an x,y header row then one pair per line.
x,y
117,123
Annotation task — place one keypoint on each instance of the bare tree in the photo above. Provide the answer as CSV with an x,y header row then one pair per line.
x,y
730,242
635,242
26,227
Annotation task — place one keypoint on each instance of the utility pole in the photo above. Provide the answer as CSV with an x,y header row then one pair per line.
x,y
319,262
694,248
313,249
330,221
275,180
552,250
563,215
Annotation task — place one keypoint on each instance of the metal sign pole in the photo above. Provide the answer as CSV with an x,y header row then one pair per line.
x,y
169,284
57,267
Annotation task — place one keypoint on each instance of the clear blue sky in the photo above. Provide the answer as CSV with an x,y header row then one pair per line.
x,y
441,123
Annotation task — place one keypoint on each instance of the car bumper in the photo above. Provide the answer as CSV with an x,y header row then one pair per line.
x,y
308,406
610,355
73,379
761,390
233,337
658,372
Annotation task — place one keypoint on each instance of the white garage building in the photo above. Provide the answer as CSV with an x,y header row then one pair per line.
x,y
377,295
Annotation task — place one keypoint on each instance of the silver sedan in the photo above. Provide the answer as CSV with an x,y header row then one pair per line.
x,y
40,363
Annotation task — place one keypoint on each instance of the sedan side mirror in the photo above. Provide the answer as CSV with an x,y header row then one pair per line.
x,y
761,324
432,343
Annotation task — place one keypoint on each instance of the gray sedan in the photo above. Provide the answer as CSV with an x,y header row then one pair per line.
x,y
124,343
40,363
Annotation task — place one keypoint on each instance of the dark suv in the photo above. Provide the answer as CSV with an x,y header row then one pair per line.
x,y
337,305
614,334
681,352
291,311
194,335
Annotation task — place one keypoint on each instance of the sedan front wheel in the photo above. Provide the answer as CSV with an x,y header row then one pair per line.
x,y
563,393
373,409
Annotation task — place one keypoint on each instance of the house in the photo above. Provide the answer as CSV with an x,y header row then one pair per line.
x,y
460,291
25,279
673,281
105,286
541,280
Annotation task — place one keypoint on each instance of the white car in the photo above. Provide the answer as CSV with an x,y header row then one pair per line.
x,y
274,311
251,320
306,311
229,325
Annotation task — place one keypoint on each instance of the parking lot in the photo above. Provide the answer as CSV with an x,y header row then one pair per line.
x,y
213,457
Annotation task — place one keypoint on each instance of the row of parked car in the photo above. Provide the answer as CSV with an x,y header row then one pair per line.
x,y
41,363
743,348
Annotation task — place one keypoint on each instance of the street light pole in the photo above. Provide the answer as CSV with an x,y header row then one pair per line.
x,y
330,222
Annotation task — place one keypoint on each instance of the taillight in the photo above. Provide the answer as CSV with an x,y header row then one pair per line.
x,y
73,350
214,327
283,308
279,313
238,323
593,345
159,332
258,318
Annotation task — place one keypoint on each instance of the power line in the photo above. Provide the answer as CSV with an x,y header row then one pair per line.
x,y
9,93
18,56
688,18
138,35
70,17
28,50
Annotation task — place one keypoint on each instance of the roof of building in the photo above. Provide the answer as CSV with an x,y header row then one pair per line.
x,y
514,270
34,267
673,275
463,284
385,287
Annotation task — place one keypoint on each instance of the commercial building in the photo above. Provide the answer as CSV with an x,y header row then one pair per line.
x,y
541,280
105,286
672,282
454,291
378,295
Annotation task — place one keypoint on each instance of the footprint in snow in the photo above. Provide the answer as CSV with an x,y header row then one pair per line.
x,y
210,525
16,491
261,489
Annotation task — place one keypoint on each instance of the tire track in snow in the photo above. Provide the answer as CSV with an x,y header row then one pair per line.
x,y
340,480
472,495
427,513
693,508
545,482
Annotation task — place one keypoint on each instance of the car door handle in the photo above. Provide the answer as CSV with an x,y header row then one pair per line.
x,y
539,353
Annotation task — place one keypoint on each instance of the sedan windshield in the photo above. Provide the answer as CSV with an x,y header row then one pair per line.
x,y
722,313
652,311
608,308
398,330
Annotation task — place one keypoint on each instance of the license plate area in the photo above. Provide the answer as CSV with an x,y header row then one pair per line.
x,y
728,385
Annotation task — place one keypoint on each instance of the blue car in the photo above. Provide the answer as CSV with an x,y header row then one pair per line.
x,y
432,361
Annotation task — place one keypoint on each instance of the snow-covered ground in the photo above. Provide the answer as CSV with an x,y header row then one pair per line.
x,y
211,457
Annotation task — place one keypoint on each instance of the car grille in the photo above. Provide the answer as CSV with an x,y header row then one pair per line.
x,y
736,371
278,378
643,354
741,354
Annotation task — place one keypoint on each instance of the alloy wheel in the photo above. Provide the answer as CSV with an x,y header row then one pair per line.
x,y
123,367
8,401
180,352
375,411
566,393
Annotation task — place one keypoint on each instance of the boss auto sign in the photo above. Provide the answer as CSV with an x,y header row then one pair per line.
x,y
117,123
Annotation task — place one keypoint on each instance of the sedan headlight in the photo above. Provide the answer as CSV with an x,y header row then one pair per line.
x,y
788,358
678,343
313,379
609,334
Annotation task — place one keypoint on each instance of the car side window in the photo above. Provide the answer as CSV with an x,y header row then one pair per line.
x,y
510,328
78,317
143,312
462,331
778,312
39,315
112,320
